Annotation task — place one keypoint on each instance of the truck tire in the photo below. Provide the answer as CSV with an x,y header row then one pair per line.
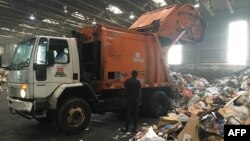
x,y
159,104
73,116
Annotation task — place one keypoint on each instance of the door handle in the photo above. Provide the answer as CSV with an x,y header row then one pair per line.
x,y
39,85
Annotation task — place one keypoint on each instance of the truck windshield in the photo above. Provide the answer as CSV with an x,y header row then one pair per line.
x,y
22,54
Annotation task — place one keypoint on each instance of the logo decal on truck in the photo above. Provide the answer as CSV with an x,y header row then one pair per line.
x,y
60,72
138,57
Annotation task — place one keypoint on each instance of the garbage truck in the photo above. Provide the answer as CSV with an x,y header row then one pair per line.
x,y
99,60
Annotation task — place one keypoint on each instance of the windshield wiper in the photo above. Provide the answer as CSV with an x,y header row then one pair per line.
x,y
13,66
25,63
22,65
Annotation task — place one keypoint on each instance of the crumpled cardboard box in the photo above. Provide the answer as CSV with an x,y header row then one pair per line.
x,y
191,128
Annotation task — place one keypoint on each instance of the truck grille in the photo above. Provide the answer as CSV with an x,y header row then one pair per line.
x,y
13,91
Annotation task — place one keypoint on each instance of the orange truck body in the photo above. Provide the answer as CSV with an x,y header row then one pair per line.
x,y
140,48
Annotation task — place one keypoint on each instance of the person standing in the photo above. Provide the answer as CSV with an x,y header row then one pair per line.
x,y
133,99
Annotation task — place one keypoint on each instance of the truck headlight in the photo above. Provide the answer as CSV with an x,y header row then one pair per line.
x,y
23,88
23,93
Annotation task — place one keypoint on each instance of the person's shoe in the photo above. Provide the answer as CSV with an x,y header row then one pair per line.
x,y
124,130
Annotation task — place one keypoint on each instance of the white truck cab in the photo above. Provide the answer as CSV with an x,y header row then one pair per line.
x,y
36,80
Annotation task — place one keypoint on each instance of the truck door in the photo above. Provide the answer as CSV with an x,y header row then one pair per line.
x,y
48,78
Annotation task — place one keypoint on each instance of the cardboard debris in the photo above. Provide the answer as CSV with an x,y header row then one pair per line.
x,y
169,119
195,109
215,138
209,100
181,110
205,107
226,112
191,128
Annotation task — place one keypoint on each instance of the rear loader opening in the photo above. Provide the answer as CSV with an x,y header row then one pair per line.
x,y
90,60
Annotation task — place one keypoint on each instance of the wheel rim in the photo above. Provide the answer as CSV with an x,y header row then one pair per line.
x,y
75,116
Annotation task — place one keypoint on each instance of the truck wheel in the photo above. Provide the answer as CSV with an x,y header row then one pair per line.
x,y
159,104
73,116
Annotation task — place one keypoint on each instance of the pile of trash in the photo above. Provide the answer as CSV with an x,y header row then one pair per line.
x,y
202,109
3,79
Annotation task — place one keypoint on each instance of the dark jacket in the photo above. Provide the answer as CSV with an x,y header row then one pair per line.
x,y
133,90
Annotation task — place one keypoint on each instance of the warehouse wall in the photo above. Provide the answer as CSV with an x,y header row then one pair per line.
x,y
209,58
213,48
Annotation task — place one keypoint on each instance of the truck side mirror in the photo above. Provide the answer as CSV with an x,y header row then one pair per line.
x,y
50,58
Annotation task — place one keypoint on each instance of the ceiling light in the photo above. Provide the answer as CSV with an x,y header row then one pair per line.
x,y
76,25
67,20
50,21
114,9
131,16
160,2
197,5
45,29
79,16
7,29
27,26
65,9
32,17
25,33
3,28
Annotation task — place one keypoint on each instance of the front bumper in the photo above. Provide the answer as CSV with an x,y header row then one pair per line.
x,y
18,105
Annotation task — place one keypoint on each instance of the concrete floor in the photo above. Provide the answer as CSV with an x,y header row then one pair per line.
x,y
101,128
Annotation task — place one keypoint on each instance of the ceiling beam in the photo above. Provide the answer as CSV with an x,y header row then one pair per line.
x,y
65,26
89,13
136,6
6,36
103,11
207,5
52,14
58,18
229,5
152,4
37,30
20,19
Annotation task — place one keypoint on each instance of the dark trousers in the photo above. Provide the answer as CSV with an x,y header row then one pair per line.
x,y
132,112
